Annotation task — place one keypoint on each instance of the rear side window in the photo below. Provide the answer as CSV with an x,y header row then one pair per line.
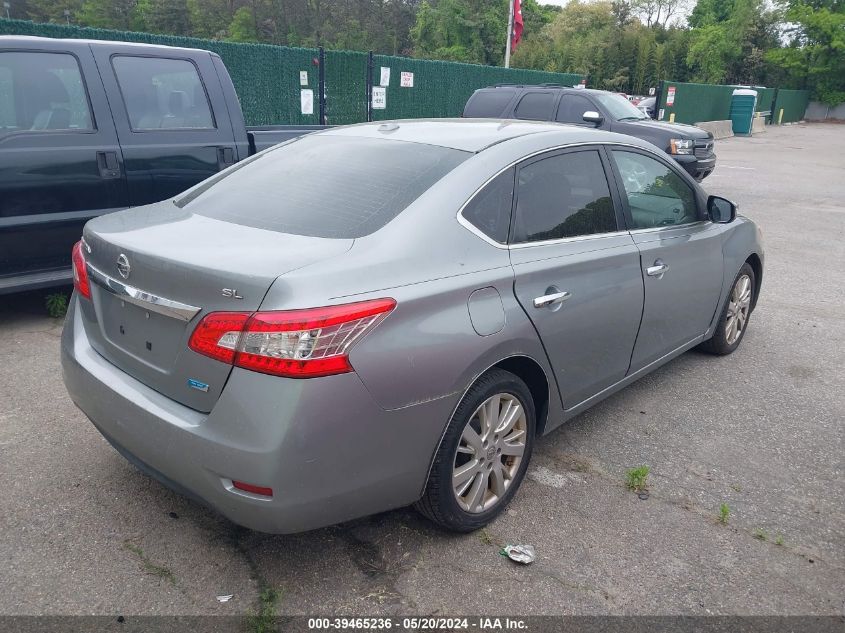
x,y
42,92
162,93
490,210
488,104
325,186
535,105
563,196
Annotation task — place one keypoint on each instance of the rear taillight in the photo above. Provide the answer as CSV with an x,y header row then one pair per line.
x,y
80,273
292,343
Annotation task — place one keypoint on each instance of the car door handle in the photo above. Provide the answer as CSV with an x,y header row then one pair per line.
x,y
225,157
657,270
108,165
549,300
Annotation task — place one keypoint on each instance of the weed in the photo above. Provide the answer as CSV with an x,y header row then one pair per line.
x,y
56,304
636,478
485,537
760,534
779,539
736,487
148,566
262,622
724,513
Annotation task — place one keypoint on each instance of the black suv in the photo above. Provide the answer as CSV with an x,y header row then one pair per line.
x,y
692,147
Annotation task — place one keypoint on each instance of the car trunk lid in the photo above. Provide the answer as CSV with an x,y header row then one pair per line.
x,y
156,271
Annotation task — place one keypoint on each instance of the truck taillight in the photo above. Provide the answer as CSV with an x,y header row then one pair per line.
x,y
80,273
292,343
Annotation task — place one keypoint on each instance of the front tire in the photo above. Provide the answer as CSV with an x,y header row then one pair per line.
x,y
483,456
730,330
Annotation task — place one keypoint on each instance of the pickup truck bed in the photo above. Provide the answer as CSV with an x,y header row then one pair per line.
x,y
89,127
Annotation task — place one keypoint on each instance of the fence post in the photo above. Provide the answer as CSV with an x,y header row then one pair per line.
x,y
369,86
321,88
658,96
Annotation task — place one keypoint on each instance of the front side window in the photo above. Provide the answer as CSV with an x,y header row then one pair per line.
x,y
535,106
324,185
490,210
162,94
657,196
572,109
563,196
42,92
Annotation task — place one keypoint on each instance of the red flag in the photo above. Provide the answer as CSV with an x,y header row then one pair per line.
x,y
517,24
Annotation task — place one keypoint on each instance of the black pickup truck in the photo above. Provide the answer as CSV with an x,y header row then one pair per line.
x,y
89,127
690,146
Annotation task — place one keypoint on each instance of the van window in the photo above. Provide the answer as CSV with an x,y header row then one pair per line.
x,y
488,104
535,105
162,93
42,92
324,186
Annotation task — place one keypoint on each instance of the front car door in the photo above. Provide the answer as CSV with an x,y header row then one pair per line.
x,y
681,253
572,107
171,118
577,274
60,162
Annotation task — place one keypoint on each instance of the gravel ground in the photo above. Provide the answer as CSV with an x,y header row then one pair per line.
x,y
762,431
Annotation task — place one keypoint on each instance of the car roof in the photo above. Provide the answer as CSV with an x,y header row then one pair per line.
x,y
471,135
73,42
544,87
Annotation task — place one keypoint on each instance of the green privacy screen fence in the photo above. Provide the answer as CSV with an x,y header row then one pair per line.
x,y
267,78
792,102
440,89
693,103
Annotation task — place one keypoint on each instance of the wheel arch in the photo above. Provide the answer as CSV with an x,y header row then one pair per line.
x,y
756,264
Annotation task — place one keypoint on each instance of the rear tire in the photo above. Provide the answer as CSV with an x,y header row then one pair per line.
x,y
733,322
483,456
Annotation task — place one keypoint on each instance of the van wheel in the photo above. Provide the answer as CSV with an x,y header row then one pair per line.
x,y
484,454
733,323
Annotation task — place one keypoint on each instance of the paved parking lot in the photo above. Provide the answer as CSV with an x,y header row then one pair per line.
x,y
85,533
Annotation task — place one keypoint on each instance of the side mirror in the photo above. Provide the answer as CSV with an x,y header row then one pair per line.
x,y
591,116
721,210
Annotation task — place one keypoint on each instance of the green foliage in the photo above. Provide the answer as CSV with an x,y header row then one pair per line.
x,y
56,304
724,513
635,478
263,620
761,535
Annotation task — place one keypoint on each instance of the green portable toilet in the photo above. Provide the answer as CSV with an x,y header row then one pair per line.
x,y
743,103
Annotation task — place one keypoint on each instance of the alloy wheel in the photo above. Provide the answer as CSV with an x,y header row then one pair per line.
x,y
739,307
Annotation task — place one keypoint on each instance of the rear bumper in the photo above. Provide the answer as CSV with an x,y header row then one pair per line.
x,y
324,446
698,168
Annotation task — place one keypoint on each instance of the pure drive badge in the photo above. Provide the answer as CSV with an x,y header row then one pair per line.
x,y
197,384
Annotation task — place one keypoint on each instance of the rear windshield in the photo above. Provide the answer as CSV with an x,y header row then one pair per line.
x,y
324,186
487,104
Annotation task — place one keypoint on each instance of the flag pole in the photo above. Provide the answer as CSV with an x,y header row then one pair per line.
x,y
510,35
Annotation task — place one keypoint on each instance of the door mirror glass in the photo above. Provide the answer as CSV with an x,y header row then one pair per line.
x,y
721,210
591,116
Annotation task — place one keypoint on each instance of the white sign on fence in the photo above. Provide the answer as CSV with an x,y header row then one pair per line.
x,y
385,76
670,96
379,98
406,80
306,99
303,77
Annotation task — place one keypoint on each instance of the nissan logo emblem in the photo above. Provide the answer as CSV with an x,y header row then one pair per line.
x,y
123,266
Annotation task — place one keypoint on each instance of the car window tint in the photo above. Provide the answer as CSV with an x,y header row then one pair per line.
x,y
324,186
490,210
657,196
563,196
572,109
162,93
488,103
42,92
535,105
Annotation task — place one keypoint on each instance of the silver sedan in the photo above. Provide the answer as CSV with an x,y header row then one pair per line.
x,y
390,314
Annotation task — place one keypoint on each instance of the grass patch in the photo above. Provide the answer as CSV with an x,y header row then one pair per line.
x,y
760,534
148,566
635,478
779,540
56,304
485,537
262,622
724,513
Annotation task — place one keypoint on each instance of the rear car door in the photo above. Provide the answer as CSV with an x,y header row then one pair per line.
x,y
60,162
681,253
577,275
171,118
536,105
